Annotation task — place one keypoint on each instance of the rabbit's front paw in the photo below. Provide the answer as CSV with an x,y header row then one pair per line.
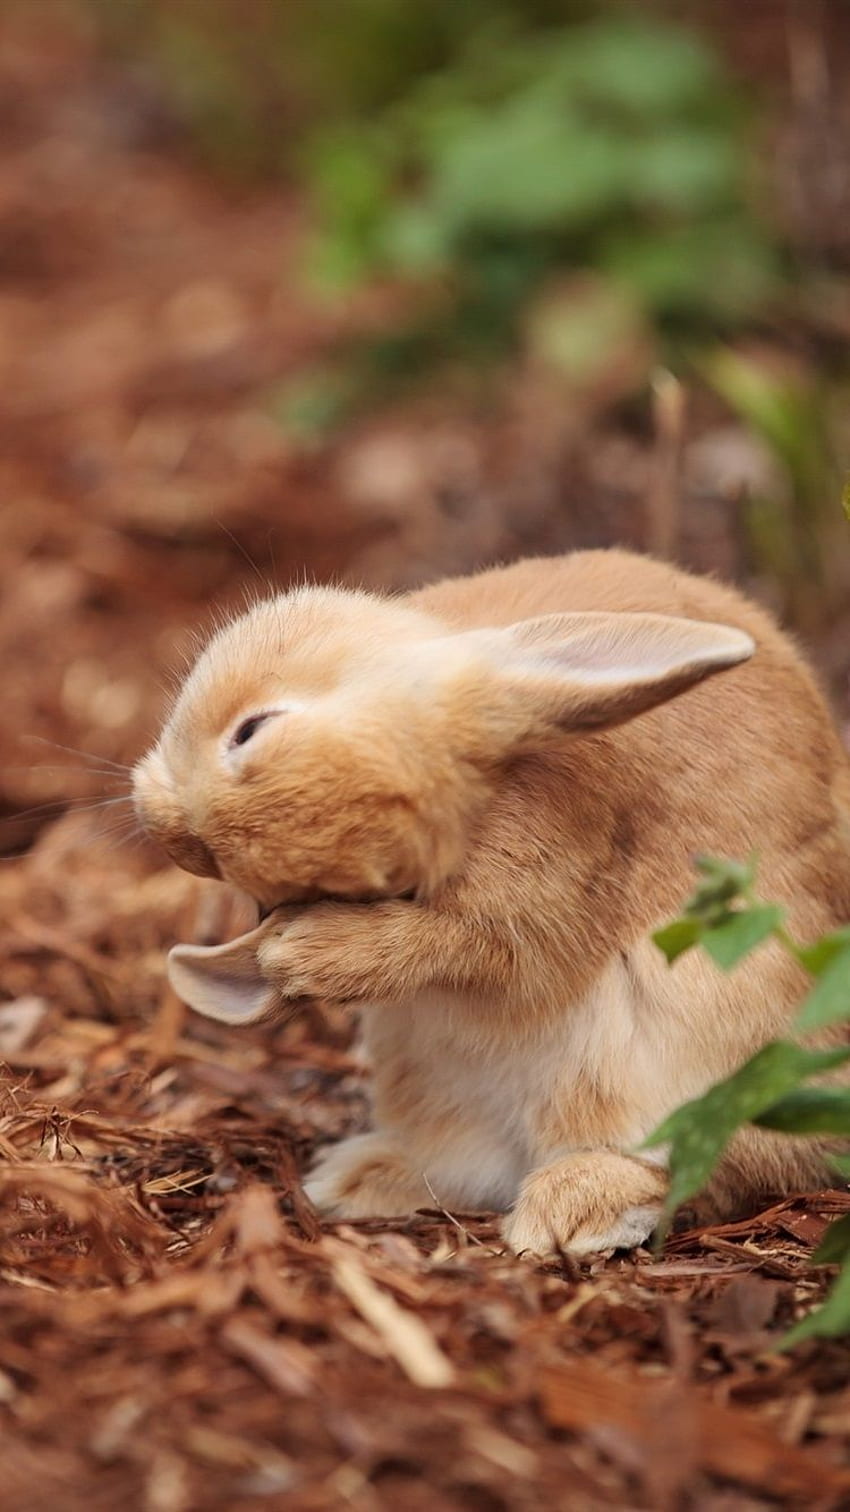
x,y
365,1177
346,951
586,1203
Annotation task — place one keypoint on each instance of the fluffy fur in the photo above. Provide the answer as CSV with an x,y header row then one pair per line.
x,y
466,810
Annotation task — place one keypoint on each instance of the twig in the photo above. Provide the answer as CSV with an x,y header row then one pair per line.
x,y
406,1337
467,1234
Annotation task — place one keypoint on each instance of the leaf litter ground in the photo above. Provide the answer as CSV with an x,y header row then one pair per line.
x,y
178,1330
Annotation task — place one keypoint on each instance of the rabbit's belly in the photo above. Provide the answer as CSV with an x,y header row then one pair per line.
x,y
480,1096
442,1095
478,1108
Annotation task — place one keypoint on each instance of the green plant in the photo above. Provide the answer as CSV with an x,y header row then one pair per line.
x,y
773,1089
797,539
564,177
616,146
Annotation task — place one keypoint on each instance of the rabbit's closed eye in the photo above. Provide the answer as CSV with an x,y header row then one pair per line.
x,y
247,728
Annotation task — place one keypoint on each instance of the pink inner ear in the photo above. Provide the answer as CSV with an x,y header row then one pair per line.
x,y
222,982
562,637
592,670
627,645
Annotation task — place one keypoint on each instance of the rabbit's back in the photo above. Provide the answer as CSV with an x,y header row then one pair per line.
x,y
746,762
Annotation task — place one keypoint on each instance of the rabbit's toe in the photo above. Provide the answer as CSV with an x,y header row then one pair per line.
x,y
365,1177
586,1203
342,951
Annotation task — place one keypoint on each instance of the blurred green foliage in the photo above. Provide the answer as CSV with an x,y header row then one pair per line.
x,y
478,151
614,145
577,184
796,538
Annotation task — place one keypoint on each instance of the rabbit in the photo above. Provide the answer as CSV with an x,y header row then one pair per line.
x,y
464,810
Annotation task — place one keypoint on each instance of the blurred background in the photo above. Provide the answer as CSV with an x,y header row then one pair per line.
x,y
381,291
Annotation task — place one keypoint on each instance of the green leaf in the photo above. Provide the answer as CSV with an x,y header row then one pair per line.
x,y
722,882
828,1321
817,956
841,1164
524,169
735,875
691,170
829,1000
674,939
835,1244
809,1110
351,183
722,267
727,943
413,241
700,1130
785,410
632,65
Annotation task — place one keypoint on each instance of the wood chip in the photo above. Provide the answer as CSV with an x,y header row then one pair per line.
x,y
405,1335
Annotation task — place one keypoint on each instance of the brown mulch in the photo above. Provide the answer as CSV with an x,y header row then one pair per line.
x,y
179,1331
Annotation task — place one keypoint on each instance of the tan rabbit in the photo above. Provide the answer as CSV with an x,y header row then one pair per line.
x,y
465,810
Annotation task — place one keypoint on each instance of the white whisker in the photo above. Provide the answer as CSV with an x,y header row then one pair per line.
x,y
104,762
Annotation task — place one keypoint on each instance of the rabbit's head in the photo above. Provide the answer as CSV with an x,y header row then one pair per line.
x,y
331,742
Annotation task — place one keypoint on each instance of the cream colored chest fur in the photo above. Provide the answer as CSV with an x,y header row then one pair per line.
x,y
475,1116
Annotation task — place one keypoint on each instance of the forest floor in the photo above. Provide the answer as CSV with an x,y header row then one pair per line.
x,y
179,1331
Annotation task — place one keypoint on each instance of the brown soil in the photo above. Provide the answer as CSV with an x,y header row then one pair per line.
x,y
179,1332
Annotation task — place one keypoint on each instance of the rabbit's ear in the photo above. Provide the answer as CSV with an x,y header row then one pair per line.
x,y
588,671
223,981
